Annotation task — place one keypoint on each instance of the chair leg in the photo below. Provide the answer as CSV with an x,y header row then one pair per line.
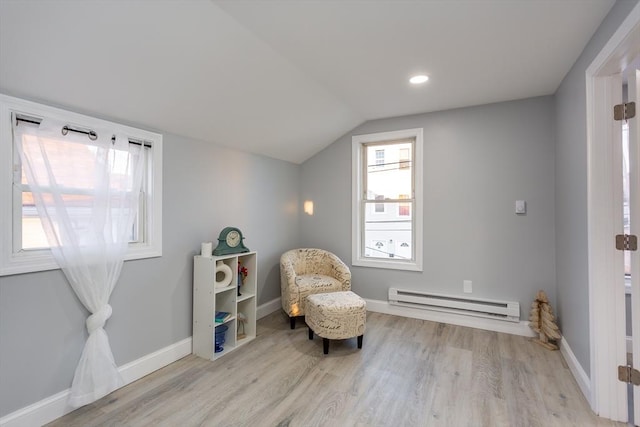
x,y
310,333
325,345
292,321
360,341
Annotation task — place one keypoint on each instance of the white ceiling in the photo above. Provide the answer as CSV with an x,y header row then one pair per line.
x,y
285,78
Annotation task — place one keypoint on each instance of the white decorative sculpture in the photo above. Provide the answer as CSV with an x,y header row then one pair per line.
x,y
223,268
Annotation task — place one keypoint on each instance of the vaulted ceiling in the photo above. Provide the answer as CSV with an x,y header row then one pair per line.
x,y
285,78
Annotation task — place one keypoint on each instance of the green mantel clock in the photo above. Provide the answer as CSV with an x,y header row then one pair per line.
x,y
230,242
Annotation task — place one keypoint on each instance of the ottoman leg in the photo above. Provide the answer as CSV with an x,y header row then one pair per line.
x,y
310,333
292,321
360,341
325,345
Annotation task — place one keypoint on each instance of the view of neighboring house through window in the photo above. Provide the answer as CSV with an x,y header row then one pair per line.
x,y
379,207
404,209
379,157
386,207
385,233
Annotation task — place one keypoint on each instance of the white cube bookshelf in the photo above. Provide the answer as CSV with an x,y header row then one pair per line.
x,y
209,298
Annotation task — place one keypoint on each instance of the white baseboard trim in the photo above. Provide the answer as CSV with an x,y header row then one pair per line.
x,y
152,362
269,307
514,328
54,407
581,377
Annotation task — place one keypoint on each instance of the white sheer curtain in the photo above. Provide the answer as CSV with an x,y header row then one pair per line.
x,y
86,194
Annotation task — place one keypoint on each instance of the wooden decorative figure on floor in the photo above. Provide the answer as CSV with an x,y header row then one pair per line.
x,y
543,322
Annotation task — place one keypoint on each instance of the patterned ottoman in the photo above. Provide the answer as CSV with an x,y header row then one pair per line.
x,y
336,316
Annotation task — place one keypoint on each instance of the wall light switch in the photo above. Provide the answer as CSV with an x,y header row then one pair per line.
x,y
467,286
521,207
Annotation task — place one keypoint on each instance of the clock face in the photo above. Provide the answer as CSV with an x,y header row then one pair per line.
x,y
233,239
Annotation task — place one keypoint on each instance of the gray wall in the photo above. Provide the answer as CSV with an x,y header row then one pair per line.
x,y
205,188
477,162
571,191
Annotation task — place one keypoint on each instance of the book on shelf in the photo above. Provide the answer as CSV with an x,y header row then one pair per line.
x,y
222,316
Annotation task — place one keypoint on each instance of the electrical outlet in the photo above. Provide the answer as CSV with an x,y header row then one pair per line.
x,y
467,286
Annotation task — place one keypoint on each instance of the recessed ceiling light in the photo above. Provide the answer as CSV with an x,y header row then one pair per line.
x,y
416,80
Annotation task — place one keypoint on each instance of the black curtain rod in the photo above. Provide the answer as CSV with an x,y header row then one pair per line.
x,y
91,134
20,119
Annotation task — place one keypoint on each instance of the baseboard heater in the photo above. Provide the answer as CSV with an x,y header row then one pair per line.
x,y
493,309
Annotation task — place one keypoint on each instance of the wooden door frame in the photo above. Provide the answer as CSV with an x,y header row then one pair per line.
x,y
606,309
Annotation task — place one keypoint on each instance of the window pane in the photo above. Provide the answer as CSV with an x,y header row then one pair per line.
x,y
391,177
80,208
69,162
387,235
625,193
33,236
72,164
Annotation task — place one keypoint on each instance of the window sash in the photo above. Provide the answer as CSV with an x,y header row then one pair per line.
x,y
392,232
401,164
389,227
388,206
138,232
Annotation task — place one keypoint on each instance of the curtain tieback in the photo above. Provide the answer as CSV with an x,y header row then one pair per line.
x,y
98,319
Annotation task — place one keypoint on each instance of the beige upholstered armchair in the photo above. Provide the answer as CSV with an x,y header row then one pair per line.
x,y
309,271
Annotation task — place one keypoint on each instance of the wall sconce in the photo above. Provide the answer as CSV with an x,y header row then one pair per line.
x,y
308,207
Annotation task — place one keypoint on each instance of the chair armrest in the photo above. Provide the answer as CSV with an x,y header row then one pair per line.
x,y
289,290
341,272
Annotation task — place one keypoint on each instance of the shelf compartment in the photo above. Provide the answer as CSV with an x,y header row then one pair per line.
x,y
229,337
245,340
245,296
225,289
226,321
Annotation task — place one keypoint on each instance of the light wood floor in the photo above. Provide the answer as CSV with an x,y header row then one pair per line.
x,y
409,373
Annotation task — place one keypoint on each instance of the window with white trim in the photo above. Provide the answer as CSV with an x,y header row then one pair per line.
x,y
24,245
387,200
